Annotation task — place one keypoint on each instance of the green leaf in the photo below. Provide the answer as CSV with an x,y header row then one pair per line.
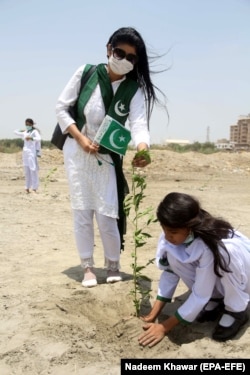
x,y
152,220
139,268
146,235
145,154
140,244
150,261
137,232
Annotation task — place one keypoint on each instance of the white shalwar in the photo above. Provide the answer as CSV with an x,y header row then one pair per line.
x,y
194,265
93,186
31,167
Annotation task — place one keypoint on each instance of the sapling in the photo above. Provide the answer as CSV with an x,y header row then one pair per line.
x,y
48,178
140,219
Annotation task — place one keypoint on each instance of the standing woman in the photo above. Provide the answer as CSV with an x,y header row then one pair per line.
x,y
32,138
95,176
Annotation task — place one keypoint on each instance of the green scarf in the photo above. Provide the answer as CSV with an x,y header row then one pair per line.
x,y
116,106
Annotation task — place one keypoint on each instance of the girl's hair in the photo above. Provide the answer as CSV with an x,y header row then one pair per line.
x,y
29,121
178,210
141,71
32,123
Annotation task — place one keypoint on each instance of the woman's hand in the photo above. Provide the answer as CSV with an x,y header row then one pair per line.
x,y
88,146
154,333
141,159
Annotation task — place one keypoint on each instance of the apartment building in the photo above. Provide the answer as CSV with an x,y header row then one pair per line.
x,y
240,133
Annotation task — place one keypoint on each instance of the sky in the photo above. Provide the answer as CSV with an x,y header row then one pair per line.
x,y
205,59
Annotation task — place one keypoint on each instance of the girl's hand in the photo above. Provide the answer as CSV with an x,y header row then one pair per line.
x,y
147,318
154,334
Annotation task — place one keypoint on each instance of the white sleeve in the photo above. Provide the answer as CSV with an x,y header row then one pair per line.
x,y
167,284
36,135
202,289
168,280
19,133
137,119
67,98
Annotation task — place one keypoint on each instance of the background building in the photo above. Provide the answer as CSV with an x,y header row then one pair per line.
x,y
240,133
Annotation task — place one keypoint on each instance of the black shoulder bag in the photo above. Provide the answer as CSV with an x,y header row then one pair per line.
x,y
58,138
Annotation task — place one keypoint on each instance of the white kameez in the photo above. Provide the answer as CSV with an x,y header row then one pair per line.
x,y
194,265
29,147
29,157
93,186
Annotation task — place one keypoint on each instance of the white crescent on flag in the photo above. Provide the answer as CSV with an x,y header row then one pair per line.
x,y
113,135
111,139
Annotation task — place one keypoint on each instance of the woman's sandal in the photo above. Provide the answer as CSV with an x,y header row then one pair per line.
x,y
89,279
113,276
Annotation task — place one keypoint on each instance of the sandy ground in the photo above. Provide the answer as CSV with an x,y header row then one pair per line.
x,y
50,324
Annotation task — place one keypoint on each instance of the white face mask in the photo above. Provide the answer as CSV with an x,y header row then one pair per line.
x,y
28,128
120,67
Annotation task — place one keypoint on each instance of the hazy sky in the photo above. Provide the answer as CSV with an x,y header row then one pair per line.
x,y
207,42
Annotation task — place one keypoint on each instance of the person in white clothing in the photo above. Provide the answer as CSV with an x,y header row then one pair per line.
x,y
92,171
211,258
32,141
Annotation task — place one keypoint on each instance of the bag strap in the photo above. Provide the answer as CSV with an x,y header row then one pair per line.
x,y
86,75
82,99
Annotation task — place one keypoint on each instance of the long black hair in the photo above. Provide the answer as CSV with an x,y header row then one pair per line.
x,y
141,71
31,123
179,210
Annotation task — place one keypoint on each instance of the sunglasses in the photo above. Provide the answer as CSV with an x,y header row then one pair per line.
x,y
120,54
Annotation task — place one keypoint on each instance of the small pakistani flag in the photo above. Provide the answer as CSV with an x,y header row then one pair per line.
x,y
113,136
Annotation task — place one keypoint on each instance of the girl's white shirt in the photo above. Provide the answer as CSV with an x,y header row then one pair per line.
x,y
29,147
194,264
